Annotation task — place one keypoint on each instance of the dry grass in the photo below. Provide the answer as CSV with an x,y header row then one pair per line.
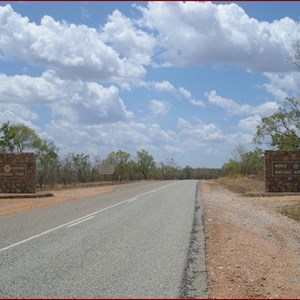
x,y
242,185
292,211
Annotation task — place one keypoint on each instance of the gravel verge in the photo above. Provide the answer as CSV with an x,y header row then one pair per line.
x,y
253,251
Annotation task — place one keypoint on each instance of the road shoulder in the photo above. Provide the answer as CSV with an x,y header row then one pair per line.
x,y
16,205
252,251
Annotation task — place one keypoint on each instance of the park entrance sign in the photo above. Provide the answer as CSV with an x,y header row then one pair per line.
x,y
282,171
17,173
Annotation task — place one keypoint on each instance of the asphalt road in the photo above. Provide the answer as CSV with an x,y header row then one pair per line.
x,y
142,240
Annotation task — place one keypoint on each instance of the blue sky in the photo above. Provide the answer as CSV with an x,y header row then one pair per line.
x,y
189,81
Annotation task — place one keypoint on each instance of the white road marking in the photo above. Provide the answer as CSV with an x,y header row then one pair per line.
x,y
60,226
78,222
81,219
150,192
141,195
131,199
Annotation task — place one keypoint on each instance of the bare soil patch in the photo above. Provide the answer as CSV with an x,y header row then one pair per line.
x,y
288,205
253,250
12,206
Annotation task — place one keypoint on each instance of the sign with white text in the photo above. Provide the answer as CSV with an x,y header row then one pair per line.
x,y
12,170
286,168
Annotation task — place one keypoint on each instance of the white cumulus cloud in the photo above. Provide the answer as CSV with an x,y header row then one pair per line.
x,y
282,85
77,101
129,41
249,124
74,51
197,33
159,108
163,86
233,108
187,95
204,132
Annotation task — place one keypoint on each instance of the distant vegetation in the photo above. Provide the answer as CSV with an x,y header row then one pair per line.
x,y
279,131
78,168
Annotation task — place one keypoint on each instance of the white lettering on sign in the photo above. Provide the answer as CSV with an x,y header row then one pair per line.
x,y
285,168
12,170
280,166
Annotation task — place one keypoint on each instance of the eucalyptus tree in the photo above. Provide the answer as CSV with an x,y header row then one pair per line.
x,y
120,160
76,167
145,163
170,169
281,130
47,164
82,166
18,138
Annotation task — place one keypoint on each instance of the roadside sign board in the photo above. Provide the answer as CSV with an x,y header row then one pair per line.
x,y
106,169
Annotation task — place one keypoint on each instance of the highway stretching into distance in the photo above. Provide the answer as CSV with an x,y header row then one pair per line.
x,y
143,240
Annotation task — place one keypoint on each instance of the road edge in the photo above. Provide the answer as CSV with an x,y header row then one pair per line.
x,y
194,281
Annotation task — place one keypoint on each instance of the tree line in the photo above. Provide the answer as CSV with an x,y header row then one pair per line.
x,y
74,168
279,131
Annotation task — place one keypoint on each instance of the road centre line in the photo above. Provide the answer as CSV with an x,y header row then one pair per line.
x,y
79,220
58,227
150,192
132,199
141,195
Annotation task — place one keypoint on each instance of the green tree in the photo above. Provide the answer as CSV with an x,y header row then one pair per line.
x,y
145,162
47,164
252,162
187,172
6,140
170,169
232,168
18,138
133,170
244,163
67,169
75,168
82,166
282,129
120,160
